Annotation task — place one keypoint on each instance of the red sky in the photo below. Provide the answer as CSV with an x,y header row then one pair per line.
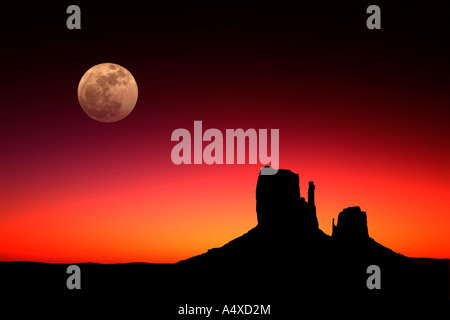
x,y
368,126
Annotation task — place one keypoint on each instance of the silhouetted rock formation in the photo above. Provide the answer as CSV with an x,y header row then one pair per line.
x,y
277,198
352,225
279,204
311,194
287,246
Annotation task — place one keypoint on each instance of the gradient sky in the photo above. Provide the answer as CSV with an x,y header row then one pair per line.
x,y
364,114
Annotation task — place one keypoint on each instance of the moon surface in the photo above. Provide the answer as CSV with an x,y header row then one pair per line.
x,y
107,92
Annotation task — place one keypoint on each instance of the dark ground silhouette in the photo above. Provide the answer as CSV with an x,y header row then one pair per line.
x,y
285,261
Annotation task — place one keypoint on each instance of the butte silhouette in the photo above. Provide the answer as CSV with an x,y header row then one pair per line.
x,y
287,250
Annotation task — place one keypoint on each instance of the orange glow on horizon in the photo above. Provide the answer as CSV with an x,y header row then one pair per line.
x,y
162,224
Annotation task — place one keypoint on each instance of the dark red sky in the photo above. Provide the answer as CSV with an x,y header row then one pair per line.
x,y
362,113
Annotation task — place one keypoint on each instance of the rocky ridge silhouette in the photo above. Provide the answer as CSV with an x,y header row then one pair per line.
x,y
288,243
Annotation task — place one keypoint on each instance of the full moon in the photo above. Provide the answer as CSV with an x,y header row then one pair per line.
x,y
107,92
